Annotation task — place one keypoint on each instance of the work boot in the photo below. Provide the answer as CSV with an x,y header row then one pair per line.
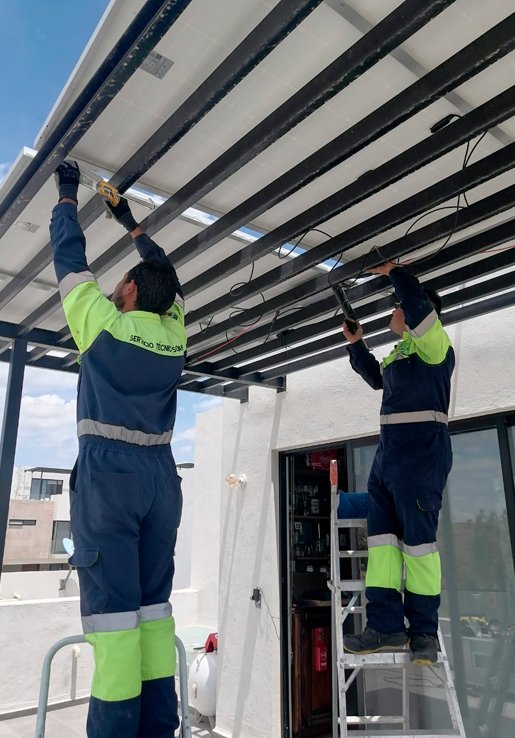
x,y
371,641
424,649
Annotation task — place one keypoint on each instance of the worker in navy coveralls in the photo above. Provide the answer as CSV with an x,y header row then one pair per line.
x,y
409,472
125,494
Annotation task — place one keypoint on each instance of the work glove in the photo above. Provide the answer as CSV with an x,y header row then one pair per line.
x,y
67,179
122,213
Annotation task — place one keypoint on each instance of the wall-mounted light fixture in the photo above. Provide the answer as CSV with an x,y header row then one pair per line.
x,y
236,480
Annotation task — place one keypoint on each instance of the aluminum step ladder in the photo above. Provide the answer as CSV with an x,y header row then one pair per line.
x,y
185,728
347,666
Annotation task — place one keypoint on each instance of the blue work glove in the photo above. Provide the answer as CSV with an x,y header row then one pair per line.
x,y
67,179
122,213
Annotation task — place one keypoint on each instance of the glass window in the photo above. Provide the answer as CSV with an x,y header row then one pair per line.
x,y
18,523
363,457
60,530
40,489
477,614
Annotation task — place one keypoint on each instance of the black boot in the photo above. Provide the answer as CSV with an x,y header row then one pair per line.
x,y
371,641
424,649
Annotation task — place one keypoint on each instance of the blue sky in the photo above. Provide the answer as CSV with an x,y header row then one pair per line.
x,y
41,41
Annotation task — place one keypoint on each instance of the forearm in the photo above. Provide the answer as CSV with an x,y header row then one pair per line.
x,y
365,364
68,242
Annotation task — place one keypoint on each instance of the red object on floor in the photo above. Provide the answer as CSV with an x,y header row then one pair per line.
x,y
319,638
211,643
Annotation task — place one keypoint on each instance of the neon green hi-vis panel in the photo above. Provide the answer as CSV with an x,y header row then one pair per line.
x,y
384,562
89,312
423,570
117,673
158,657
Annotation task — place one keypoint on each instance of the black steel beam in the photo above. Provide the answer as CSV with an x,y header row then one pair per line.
x,y
248,54
45,362
468,62
458,315
37,337
305,332
494,111
462,180
494,285
10,433
471,176
145,31
495,236
405,20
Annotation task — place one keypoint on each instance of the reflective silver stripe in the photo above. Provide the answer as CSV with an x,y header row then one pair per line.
x,y
72,279
120,433
155,612
110,622
385,539
421,550
424,326
417,416
389,539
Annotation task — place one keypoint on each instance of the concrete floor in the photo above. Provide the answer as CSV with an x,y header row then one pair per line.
x,y
70,722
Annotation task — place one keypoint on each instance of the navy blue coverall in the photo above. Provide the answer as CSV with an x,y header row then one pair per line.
x,y
126,499
411,465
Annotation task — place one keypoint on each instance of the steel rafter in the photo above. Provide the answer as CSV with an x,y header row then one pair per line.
x,y
368,310
459,182
495,110
463,65
146,30
240,62
497,302
399,25
470,272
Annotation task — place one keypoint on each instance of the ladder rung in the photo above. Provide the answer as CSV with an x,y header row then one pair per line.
x,y
371,719
409,733
398,658
357,554
351,585
352,523
354,608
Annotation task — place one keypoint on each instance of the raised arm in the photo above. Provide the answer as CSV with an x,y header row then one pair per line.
x,y
361,360
421,318
87,310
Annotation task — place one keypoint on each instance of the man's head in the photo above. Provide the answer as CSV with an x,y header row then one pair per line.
x,y
147,286
398,320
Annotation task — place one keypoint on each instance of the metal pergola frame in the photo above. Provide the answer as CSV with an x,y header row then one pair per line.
x,y
286,337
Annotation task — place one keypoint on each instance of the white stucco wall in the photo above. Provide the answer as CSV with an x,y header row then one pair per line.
x,y
29,628
205,531
322,405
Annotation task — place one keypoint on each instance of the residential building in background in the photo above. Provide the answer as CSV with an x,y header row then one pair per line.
x,y
39,519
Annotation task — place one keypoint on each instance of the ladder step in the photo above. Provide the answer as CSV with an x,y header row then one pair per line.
x,y
352,523
358,554
397,658
371,719
410,733
350,585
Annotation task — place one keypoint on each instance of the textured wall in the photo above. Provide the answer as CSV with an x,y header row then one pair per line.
x,y
322,405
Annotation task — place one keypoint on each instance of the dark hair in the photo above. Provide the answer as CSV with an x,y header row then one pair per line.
x,y
435,300
156,285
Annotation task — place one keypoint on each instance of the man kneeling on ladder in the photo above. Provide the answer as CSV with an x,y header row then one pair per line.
x,y
408,474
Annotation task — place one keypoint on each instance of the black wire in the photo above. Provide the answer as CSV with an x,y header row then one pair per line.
x,y
299,239
466,159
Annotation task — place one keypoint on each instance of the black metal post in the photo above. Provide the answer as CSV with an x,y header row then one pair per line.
x,y
10,434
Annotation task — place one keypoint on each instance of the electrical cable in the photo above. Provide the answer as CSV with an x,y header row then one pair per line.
x,y
466,159
273,618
